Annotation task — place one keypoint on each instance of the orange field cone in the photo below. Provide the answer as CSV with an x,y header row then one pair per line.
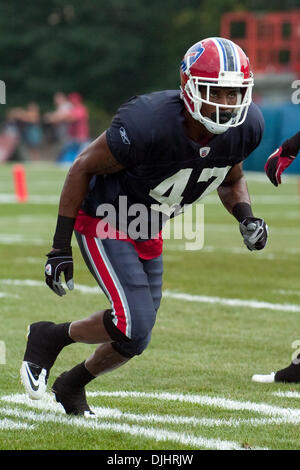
x,y
20,184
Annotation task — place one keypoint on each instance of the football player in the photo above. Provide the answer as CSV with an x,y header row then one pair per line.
x,y
277,162
151,155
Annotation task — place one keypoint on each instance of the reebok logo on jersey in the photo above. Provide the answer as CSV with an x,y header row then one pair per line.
x,y
204,151
124,136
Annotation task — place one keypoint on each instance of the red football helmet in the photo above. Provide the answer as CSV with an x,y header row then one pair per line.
x,y
216,62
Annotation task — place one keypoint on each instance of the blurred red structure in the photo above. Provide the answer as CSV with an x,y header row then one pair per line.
x,y
271,40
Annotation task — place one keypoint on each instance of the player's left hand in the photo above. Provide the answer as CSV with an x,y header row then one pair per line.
x,y
277,162
254,232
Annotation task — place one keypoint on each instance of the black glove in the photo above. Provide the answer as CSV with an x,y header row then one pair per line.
x,y
59,261
254,232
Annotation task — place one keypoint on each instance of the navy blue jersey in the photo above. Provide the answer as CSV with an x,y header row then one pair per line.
x,y
163,166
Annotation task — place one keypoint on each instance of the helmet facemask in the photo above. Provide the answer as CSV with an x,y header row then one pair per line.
x,y
197,91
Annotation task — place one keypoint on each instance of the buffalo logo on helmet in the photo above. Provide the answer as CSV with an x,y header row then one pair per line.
x,y
191,57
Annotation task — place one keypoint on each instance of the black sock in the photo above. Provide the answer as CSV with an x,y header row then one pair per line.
x,y
61,337
78,377
45,341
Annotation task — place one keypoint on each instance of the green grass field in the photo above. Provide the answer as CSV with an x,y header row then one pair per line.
x,y
191,389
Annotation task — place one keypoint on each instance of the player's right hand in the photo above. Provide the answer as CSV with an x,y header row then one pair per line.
x,y
277,162
58,262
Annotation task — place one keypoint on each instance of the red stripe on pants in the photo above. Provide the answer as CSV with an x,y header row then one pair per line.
x,y
108,281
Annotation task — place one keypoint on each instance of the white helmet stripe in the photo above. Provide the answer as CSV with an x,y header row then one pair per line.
x,y
221,55
236,56
229,53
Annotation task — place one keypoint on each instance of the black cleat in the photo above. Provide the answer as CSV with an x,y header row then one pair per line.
x,y
290,374
72,399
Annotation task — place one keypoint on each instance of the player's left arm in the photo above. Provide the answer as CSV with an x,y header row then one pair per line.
x,y
234,190
234,195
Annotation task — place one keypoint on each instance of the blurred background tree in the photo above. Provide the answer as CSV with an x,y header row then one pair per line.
x,y
107,50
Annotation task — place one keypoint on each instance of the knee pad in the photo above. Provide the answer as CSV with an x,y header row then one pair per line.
x,y
125,346
132,347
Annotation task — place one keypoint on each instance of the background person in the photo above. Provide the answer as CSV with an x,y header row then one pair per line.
x,y
58,118
72,119
277,162
28,122
282,158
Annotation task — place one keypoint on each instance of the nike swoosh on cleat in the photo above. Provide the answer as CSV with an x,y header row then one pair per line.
x,y
33,383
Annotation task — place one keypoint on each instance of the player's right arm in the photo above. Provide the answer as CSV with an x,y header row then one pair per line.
x,y
95,159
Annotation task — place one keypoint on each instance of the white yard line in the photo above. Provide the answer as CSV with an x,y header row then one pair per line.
x,y
9,198
13,239
248,303
287,292
160,435
33,283
287,394
32,199
256,304
48,403
47,410
287,415
5,294
232,228
6,424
